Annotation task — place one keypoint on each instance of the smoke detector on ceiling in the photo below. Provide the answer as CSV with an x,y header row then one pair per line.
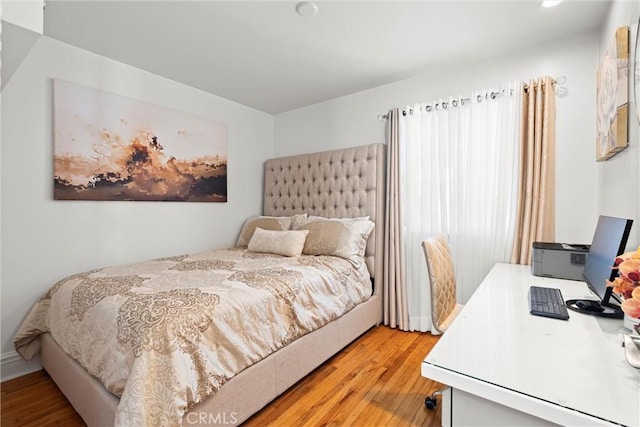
x,y
307,8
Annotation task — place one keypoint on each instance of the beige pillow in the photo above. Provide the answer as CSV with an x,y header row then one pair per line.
x,y
343,237
264,222
287,243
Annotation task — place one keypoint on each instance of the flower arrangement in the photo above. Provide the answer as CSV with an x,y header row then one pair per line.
x,y
627,284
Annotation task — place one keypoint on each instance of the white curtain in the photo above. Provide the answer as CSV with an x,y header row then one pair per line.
x,y
459,172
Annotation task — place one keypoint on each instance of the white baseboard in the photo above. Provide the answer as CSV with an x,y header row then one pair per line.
x,y
13,366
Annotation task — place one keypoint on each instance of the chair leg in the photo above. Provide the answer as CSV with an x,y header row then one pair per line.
x,y
431,402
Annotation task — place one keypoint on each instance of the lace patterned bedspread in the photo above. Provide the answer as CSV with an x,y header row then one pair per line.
x,y
166,334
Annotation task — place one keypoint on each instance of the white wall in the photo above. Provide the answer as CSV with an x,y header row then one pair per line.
x,y
618,189
352,120
24,13
44,240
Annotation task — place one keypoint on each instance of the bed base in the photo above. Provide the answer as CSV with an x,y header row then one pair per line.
x,y
241,397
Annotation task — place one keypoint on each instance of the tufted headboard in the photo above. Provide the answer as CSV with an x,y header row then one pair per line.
x,y
343,183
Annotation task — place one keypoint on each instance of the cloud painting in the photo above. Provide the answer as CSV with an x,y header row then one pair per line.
x,y
109,147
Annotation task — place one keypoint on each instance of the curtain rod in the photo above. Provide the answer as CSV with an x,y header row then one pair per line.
x,y
560,92
445,104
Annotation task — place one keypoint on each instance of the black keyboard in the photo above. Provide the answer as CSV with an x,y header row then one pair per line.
x,y
547,302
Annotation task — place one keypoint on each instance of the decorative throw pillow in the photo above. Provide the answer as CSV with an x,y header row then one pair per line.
x,y
287,243
343,237
266,223
298,220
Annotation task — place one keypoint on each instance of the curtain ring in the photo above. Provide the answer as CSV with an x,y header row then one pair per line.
x,y
428,108
444,105
479,98
493,95
411,111
454,102
437,106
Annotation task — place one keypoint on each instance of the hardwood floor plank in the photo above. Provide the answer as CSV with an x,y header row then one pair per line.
x,y
367,399
21,382
375,381
402,383
399,398
34,400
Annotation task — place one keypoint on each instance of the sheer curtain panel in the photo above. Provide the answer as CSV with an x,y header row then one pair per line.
x,y
458,162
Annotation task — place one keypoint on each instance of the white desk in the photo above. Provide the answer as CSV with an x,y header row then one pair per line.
x,y
507,367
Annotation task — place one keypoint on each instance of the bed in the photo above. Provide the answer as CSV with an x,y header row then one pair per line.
x,y
346,183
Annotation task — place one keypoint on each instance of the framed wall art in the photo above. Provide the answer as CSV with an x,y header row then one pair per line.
x,y
636,72
110,147
612,95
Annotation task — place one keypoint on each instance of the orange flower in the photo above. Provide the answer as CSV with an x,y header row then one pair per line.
x,y
627,256
632,307
627,284
630,269
622,286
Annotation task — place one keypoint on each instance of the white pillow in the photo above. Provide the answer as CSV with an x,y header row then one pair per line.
x,y
287,243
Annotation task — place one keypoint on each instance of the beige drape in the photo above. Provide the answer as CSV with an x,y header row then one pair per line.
x,y
535,219
396,309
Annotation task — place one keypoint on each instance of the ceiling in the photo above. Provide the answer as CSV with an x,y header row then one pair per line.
x,y
264,55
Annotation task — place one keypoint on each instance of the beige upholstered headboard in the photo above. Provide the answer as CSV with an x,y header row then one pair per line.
x,y
343,183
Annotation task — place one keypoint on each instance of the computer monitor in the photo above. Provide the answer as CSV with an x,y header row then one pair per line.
x,y
609,241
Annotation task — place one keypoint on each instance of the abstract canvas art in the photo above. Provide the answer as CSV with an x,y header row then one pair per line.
x,y
612,97
110,147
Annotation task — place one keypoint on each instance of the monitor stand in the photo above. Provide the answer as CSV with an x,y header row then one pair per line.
x,y
595,308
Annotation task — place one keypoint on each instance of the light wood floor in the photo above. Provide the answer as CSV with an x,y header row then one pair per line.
x,y
373,382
